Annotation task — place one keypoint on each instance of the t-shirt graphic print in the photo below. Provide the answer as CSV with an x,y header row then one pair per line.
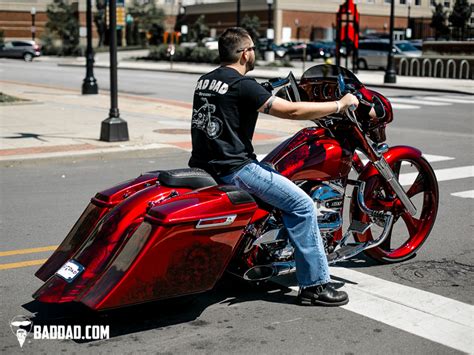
x,y
225,110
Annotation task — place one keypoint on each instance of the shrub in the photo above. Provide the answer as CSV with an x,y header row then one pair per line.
x,y
183,54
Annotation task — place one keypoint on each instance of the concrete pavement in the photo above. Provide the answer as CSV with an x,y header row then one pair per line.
x,y
58,121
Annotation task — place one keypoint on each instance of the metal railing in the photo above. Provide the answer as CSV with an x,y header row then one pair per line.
x,y
435,67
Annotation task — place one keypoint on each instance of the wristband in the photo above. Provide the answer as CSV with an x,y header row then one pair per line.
x,y
338,106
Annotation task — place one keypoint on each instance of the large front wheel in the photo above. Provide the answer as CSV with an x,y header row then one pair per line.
x,y
408,232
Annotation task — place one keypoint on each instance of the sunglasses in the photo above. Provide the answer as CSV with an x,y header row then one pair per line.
x,y
247,49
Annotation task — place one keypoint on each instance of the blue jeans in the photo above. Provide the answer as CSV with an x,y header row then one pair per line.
x,y
299,218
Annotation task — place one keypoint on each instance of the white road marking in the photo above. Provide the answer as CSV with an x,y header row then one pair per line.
x,y
419,102
435,158
436,318
447,99
404,106
464,194
461,172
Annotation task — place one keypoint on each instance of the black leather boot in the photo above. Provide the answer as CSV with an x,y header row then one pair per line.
x,y
322,295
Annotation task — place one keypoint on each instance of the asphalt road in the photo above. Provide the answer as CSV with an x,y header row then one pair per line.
x,y
42,199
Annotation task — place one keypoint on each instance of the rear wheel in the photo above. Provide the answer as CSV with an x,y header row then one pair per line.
x,y
408,232
28,57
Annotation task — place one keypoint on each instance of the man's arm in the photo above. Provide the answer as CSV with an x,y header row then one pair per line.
x,y
303,110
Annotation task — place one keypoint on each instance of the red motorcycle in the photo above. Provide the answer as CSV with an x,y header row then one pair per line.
x,y
173,233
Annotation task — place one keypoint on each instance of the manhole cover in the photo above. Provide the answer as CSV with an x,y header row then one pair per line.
x,y
436,273
173,131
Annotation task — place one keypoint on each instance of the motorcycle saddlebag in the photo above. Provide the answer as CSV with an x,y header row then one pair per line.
x,y
182,247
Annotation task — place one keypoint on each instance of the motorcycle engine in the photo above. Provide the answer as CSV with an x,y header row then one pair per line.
x,y
329,200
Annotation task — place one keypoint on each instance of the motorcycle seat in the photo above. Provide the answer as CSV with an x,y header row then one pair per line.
x,y
189,177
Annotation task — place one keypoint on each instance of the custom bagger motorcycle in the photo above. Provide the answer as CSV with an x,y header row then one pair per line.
x,y
173,233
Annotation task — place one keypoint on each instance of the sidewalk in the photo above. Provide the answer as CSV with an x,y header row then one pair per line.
x,y
61,122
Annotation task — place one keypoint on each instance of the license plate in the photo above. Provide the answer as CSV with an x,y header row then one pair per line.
x,y
70,270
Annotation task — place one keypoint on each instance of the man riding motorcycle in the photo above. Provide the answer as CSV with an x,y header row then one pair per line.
x,y
229,156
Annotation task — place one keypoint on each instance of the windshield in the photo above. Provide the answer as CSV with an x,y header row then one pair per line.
x,y
406,47
327,71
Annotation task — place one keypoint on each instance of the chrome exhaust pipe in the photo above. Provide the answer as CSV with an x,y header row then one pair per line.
x,y
265,272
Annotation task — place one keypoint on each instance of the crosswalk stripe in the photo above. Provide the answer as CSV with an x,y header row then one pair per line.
x,y
464,194
461,172
404,106
446,99
434,317
419,102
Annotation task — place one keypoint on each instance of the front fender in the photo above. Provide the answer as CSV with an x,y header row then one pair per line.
x,y
391,156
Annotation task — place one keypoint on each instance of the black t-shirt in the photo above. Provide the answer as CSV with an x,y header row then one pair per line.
x,y
224,118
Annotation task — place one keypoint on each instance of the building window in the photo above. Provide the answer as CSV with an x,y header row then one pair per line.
x,y
388,1
403,2
433,2
417,2
370,1
447,4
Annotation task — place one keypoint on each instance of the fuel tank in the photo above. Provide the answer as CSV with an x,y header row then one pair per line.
x,y
312,154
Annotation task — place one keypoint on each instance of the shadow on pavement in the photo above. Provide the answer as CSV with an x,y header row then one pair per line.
x,y
160,314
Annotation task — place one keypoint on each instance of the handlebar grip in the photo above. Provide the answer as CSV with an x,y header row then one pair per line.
x,y
352,108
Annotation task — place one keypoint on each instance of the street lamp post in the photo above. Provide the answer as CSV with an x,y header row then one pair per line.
x,y
33,28
89,84
270,34
238,13
390,74
408,31
113,128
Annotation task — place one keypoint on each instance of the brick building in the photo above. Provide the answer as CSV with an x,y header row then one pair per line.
x,y
16,18
315,19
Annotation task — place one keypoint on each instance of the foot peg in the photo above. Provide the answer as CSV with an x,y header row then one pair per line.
x,y
346,252
359,227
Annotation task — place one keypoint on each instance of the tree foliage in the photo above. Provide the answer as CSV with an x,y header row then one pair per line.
x,y
148,21
460,15
251,24
199,30
439,20
62,25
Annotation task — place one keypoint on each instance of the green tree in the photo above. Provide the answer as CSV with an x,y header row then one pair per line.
x,y
251,24
148,22
62,25
199,30
460,16
438,21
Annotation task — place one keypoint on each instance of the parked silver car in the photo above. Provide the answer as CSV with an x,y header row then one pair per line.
x,y
373,52
20,49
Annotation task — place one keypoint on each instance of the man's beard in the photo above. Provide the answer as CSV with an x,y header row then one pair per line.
x,y
249,66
